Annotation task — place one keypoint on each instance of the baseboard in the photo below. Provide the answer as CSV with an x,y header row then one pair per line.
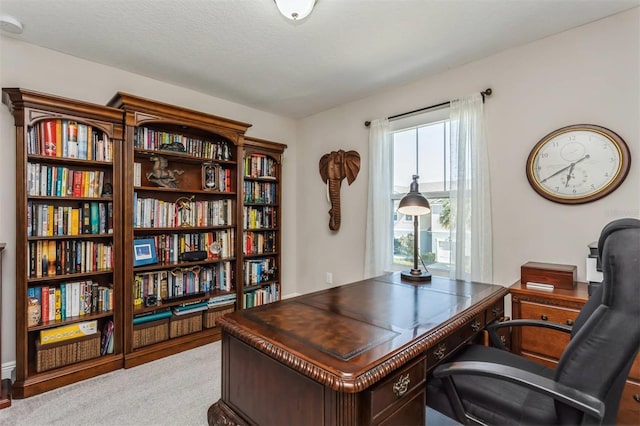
x,y
8,369
288,296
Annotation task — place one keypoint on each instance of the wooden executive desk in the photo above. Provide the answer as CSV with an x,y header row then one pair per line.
x,y
351,355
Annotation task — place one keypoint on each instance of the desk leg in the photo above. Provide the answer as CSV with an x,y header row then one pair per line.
x,y
219,414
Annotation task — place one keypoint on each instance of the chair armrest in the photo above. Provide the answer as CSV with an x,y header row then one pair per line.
x,y
592,407
493,327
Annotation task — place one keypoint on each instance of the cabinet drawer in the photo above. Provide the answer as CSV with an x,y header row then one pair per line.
x,y
629,410
411,412
544,341
449,345
395,390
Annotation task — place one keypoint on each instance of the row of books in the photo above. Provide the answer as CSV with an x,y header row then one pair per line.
x,y
260,192
49,258
68,139
150,139
260,217
261,296
259,242
170,246
58,181
90,217
181,282
71,299
257,271
259,166
155,213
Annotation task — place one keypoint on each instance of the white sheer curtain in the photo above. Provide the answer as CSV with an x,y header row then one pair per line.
x,y
470,192
378,246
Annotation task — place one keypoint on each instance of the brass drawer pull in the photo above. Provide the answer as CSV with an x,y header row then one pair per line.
x,y
636,397
401,386
544,317
475,326
569,322
495,310
440,351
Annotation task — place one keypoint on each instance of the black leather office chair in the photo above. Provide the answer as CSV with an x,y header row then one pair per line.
x,y
487,385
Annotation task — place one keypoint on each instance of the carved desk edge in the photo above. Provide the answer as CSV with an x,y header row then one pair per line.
x,y
365,380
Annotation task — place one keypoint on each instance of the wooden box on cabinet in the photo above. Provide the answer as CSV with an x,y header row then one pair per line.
x,y
546,346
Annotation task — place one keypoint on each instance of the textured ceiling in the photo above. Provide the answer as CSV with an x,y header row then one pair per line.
x,y
245,52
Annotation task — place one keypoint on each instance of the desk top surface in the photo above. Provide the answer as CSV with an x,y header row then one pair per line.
x,y
349,330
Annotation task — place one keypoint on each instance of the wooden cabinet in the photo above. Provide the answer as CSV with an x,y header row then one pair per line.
x,y
546,346
261,221
68,240
181,192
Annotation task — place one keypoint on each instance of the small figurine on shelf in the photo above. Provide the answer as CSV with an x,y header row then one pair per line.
x,y
107,190
161,174
174,146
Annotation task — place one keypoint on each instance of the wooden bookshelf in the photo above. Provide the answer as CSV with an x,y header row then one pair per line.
x,y
261,221
60,145
181,191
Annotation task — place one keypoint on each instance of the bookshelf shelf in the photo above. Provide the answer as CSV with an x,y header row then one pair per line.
x,y
67,161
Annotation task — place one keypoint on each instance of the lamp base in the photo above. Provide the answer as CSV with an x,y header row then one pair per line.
x,y
415,275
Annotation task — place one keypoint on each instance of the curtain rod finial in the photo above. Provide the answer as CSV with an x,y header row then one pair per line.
x,y
367,123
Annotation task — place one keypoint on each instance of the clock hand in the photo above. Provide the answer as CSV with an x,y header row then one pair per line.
x,y
569,175
565,168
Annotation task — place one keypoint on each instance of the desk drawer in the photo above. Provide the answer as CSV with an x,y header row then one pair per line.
x,y
394,391
629,410
544,341
449,345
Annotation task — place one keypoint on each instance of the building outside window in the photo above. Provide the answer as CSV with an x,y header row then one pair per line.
x,y
422,150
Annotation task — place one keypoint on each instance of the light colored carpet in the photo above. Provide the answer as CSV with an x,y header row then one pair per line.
x,y
176,390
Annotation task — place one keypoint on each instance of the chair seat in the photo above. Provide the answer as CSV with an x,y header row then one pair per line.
x,y
494,401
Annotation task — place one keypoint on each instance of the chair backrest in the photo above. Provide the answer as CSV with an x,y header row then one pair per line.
x,y
606,334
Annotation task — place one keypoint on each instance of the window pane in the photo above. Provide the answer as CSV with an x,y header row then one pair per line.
x,y
423,151
404,160
431,157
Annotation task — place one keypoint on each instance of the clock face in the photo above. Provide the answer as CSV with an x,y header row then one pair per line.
x,y
578,164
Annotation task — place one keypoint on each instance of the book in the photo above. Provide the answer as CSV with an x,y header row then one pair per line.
x,y
154,316
49,140
44,303
106,346
72,139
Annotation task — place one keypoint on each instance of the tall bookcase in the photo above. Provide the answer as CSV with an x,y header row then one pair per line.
x,y
261,221
181,214
68,240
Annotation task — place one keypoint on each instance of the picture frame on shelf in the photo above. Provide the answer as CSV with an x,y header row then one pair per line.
x,y
144,252
209,176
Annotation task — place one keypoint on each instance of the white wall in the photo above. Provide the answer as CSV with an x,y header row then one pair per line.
x,y
586,75
30,67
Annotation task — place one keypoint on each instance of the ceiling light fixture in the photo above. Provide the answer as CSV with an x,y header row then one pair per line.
x,y
296,10
10,24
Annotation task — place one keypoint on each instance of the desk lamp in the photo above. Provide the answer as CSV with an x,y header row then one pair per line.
x,y
415,204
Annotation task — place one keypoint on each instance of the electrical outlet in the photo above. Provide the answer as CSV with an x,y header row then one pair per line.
x,y
329,278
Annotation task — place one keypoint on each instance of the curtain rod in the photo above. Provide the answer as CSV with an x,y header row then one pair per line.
x,y
484,93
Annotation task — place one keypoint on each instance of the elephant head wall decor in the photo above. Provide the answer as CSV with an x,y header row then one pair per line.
x,y
334,167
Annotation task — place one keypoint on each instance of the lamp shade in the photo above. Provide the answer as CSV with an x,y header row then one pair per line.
x,y
295,9
414,203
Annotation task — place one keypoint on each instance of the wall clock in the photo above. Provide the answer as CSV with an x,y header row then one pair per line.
x,y
578,164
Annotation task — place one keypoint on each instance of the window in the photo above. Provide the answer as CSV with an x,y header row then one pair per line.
x,y
421,147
